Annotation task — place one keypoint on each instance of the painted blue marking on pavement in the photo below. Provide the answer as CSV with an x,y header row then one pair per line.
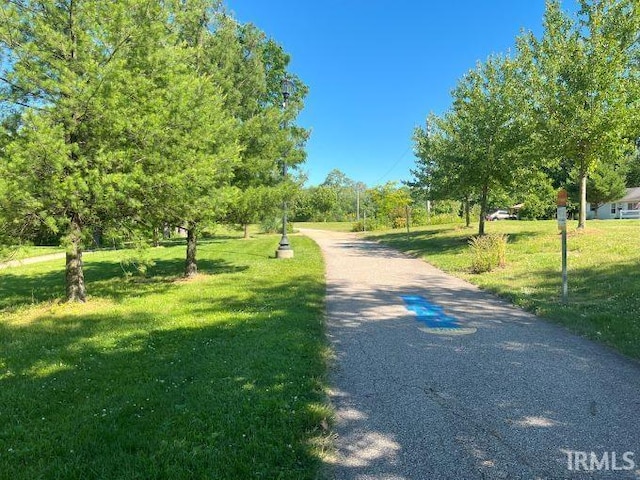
x,y
426,312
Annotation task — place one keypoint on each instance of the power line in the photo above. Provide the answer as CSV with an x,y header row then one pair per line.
x,y
394,165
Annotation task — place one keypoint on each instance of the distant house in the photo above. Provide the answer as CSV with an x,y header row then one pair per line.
x,y
627,207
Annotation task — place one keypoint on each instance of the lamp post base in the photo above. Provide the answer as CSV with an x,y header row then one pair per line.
x,y
284,248
284,253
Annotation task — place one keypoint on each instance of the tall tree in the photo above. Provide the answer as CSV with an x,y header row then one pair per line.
x,y
250,68
64,75
582,79
480,146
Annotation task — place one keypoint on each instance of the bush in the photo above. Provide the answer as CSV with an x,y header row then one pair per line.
x,y
488,252
358,227
538,206
371,224
418,216
399,222
274,225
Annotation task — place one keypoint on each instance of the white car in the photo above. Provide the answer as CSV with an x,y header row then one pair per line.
x,y
499,215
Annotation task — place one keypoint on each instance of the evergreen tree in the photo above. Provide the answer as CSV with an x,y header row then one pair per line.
x,y
64,75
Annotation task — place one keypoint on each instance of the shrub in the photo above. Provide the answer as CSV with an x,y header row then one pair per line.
x,y
370,225
399,222
488,252
274,225
358,227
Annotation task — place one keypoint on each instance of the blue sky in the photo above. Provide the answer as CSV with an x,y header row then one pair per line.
x,y
375,69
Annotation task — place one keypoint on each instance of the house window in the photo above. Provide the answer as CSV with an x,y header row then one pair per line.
x,y
630,206
613,208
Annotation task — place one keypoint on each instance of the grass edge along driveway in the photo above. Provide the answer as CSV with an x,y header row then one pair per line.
x,y
603,272
159,378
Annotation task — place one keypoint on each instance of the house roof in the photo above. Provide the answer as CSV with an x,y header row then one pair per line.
x,y
632,195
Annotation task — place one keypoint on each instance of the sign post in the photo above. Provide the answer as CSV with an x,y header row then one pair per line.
x,y
562,225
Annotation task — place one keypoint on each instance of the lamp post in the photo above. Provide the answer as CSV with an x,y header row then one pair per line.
x,y
284,248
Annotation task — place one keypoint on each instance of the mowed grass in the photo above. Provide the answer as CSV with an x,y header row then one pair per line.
x,y
331,226
603,272
160,378
26,251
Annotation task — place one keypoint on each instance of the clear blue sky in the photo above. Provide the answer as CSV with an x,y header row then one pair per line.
x,y
375,69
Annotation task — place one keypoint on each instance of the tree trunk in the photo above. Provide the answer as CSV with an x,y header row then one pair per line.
x,y
483,208
246,230
191,267
582,221
467,212
74,274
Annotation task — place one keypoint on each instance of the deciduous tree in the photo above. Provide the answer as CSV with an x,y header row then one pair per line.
x,y
582,80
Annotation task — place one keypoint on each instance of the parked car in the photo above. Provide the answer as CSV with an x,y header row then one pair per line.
x,y
500,215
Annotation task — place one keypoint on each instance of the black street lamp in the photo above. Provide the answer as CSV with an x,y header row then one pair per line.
x,y
284,249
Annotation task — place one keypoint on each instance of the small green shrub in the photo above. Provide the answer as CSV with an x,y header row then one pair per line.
x,y
274,225
399,222
370,225
488,252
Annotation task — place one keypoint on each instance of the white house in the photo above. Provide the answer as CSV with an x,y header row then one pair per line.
x,y
627,207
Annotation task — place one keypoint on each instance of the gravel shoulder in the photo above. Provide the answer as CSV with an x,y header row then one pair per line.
x,y
507,396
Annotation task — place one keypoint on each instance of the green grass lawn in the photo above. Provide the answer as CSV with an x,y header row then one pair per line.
x,y
603,272
24,251
332,226
159,378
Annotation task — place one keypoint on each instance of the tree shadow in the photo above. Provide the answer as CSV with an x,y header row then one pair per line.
x,y
422,243
509,400
234,393
602,302
104,279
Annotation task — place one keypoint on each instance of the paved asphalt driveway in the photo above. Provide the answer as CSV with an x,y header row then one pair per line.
x,y
506,396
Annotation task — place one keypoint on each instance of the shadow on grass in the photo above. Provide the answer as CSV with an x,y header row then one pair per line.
x,y
234,393
425,242
106,279
603,302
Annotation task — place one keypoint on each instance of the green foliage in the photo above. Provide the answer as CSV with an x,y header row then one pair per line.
x,y
358,226
390,202
488,252
633,174
369,225
583,82
419,216
444,219
335,200
479,146
137,114
546,118
606,184
273,224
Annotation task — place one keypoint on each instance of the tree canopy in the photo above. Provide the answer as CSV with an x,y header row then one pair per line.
x,y
547,117
132,115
